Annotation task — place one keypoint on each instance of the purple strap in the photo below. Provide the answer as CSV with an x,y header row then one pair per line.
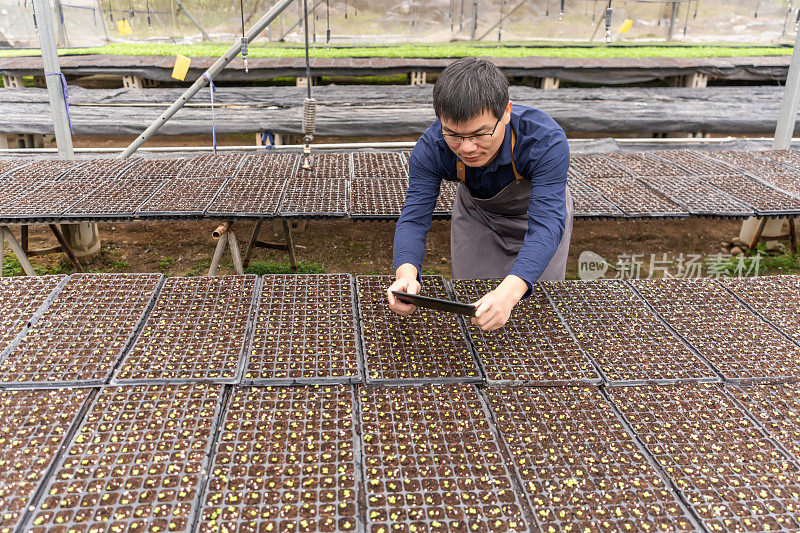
x,y
66,95
212,88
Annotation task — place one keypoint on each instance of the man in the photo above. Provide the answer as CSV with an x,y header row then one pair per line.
x,y
512,216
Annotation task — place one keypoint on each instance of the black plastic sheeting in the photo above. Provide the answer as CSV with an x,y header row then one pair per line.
x,y
368,110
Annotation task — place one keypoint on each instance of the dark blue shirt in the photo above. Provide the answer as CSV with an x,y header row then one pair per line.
x,y
541,154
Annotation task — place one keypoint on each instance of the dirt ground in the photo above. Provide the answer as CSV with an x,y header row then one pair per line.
x,y
181,248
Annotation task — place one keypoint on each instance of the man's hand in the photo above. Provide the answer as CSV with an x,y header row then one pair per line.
x,y
495,306
406,282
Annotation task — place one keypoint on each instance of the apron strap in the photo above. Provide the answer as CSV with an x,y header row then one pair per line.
x,y
461,168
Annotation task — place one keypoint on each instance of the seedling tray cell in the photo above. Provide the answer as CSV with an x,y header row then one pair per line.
x,y
8,165
99,168
248,197
315,197
635,198
625,338
44,170
117,199
136,463
284,461
49,199
33,426
644,164
379,165
23,299
432,462
748,162
377,198
82,333
776,408
305,331
533,348
580,468
785,157
732,475
197,330
785,182
182,197
155,168
765,199
694,162
423,347
588,202
738,343
212,166
597,166
446,199
327,166
697,197
272,166
772,297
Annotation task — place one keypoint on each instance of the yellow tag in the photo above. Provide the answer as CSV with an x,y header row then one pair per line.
x,y
626,25
124,27
181,67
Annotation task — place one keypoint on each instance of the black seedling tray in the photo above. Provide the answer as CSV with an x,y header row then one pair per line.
x,y
293,312
256,197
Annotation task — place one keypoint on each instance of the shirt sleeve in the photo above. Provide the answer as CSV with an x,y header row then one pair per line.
x,y
547,210
415,219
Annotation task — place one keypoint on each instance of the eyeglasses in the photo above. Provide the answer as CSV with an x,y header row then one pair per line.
x,y
477,138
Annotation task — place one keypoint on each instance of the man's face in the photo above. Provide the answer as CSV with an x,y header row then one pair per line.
x,y
477,151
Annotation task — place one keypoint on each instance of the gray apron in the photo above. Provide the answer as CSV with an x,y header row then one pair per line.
x,y
486,234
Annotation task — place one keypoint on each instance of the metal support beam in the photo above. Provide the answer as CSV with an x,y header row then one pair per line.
x,y
181,7
202,81
55,89
672,19
791,99
496,24
27,267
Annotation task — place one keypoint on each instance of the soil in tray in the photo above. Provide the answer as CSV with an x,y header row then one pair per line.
x,y
644,164
284,461
327,166
736,341
43,170
190,196
261,166
212,166
581,470
305,329
733,477
753,192
694,162
20,298
99,168
34,425
777,408
135,463
634,198
432,462
196,330
83,331
379,165
256,195
315,196
378,197
121,196
773,297
746,161
697,196
596,166
587,200
533,347
425,345
155,168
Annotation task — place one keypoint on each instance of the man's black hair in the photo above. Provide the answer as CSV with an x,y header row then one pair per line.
x,y
468,87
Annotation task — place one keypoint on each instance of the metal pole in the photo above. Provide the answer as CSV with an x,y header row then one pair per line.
x,y
201,81
62,30
287,32
55,89
474,19
502,19
181,7
672,19
791,99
